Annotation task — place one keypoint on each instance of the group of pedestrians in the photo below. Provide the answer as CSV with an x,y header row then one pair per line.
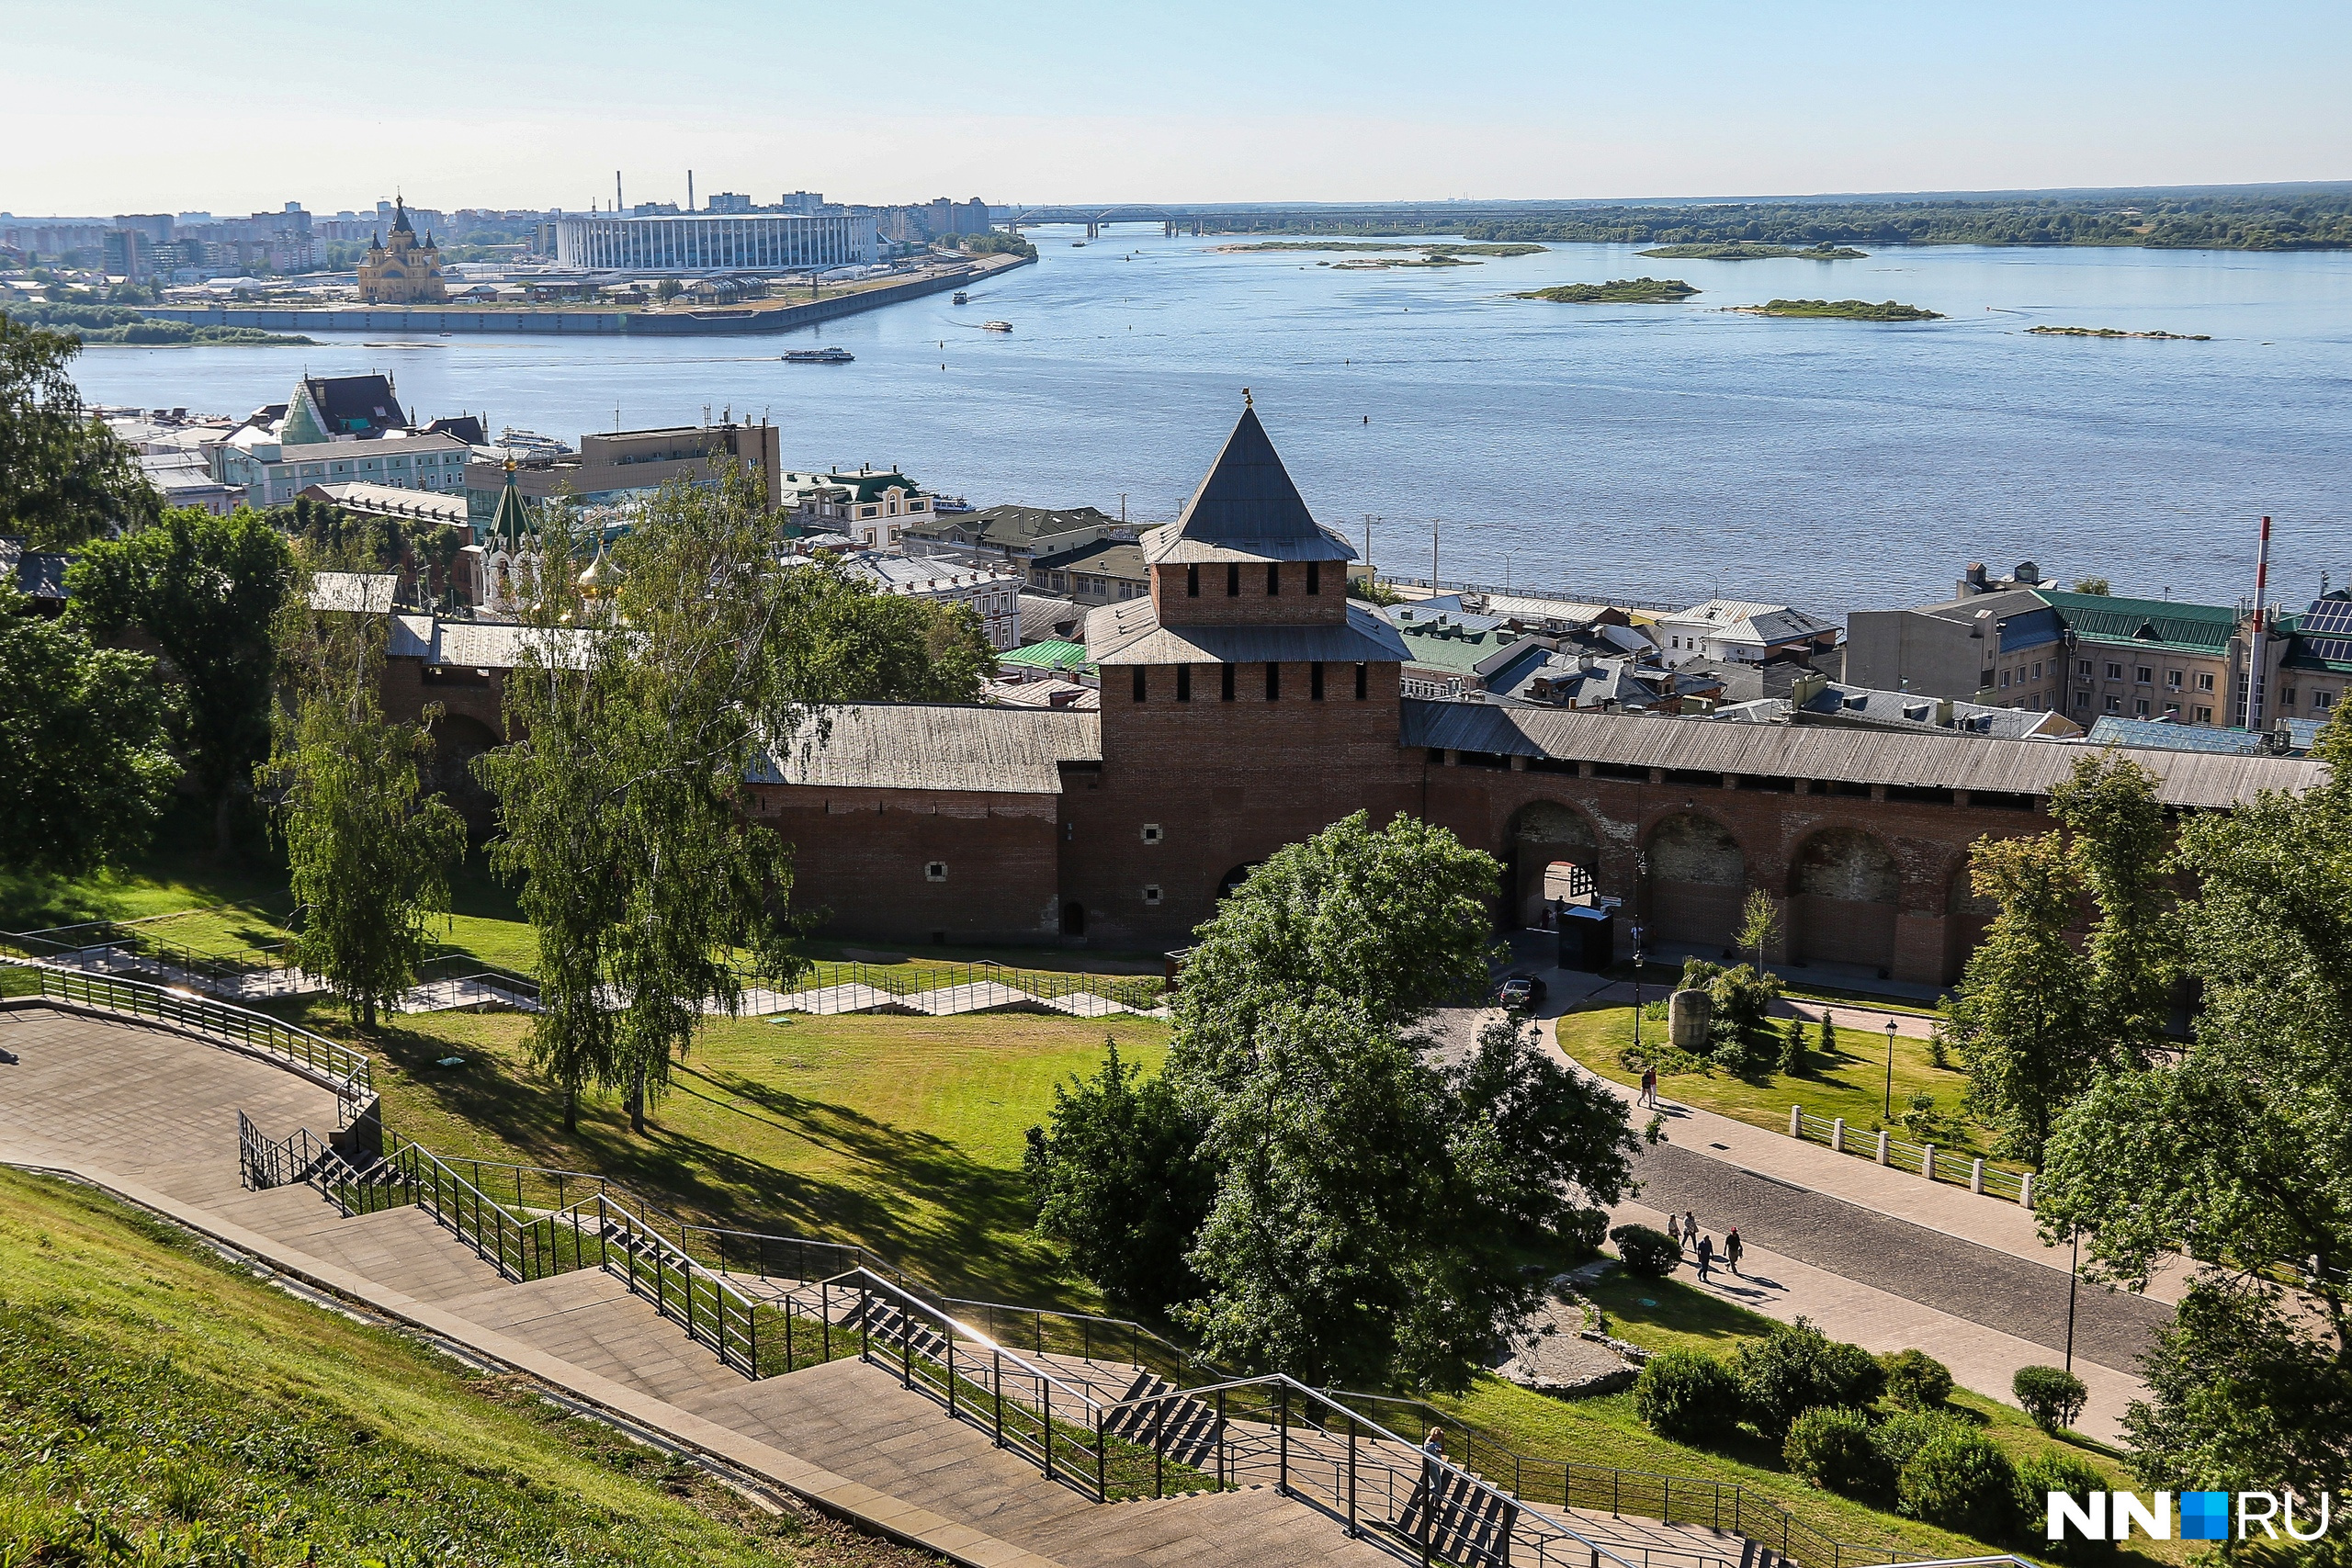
x,y
1686,1231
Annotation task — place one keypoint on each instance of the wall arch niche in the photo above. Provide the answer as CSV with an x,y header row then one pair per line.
x,y
1691,885
1550,852
1845,890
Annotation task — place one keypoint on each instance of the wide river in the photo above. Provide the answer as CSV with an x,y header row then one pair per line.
x,y
1664,452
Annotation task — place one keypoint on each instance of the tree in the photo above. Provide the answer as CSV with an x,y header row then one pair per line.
x,y
1391,921
370,850
83,766
2024,1021
844,643
1759,924
63,477
1118,1178
2120,844
2239,1155
641,711
207,590
1373,1207
1374,1201
2091,585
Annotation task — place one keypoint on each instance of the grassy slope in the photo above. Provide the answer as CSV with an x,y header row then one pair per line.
x,y
1852,1084
903,1134
1668,1315
198,1416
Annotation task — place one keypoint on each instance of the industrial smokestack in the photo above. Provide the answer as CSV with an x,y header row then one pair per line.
x,y
2254,692
690,190
617,192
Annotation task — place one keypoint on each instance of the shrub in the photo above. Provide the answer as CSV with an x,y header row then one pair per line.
x,y
2052,1397
1581,1232
1903,1434
1687,1397
1915,1380
1795,1368
1960,1481
1648,1252
1742,1024
1830,1446
1792,1047
2042,1473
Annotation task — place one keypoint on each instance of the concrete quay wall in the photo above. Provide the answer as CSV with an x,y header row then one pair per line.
x,y
722,320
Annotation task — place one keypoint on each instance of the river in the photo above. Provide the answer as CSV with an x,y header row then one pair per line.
x,y
1664,452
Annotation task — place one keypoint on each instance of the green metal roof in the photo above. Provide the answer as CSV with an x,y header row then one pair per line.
x,y
869,487
1451,648
2145,622
1049,656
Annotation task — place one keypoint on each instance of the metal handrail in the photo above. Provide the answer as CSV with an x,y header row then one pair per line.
x,y
349,1072
1436,1476
1614,1490
907,1300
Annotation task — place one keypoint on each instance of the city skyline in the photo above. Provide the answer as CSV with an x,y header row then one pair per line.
x,y
1044,103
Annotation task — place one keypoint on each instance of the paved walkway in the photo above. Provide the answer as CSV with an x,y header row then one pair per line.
x,y
1891,1260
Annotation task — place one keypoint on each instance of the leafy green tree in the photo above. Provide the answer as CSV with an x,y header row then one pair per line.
x,y
2239,1154
63,477
369,849
1390,920
642,709
2120,843
205,591
1373,1200
844,643
2091,585
84,768
1117,1177
1760,925
2024,1021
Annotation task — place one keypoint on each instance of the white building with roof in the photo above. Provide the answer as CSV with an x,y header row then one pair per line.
x,y
1735,630
992,592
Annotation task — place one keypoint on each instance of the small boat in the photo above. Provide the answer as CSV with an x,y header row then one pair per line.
x,y
1077,245
817,357
996,326
962,298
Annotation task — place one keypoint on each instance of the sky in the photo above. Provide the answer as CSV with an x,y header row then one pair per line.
x,y
237,105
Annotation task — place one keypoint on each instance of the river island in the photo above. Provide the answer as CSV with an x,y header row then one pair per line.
x,y
1436,248
1618,291
1750,250
2112,331
1839,310
104,325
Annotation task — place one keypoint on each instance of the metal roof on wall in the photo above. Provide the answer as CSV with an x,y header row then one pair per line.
x,y
1852,756
1003,750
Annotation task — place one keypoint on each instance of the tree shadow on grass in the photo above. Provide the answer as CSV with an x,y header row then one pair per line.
x,y
916,1200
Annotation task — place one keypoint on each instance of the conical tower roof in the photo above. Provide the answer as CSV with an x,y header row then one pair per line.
x,y
512,523
1246,508
401,225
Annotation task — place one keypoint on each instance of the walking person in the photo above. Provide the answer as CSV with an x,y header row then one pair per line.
x,y
1690,1228
1432,1455
1731,1249
1650,1088
1706,1256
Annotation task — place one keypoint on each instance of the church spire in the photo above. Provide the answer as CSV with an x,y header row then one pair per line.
x,y
1248,506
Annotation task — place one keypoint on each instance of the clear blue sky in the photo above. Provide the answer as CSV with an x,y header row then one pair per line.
x,y
137,105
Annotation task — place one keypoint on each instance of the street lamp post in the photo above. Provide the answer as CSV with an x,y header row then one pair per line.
x,y
1889,1112
1637,988
2073,1274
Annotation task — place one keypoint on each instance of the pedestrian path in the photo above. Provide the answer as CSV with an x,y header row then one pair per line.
x,y
1888,1258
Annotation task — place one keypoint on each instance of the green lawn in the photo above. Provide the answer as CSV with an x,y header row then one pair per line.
x,y
902,1134
1852,1083
159,1405
1666,1314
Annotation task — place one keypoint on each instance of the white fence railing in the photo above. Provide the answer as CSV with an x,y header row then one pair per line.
x,y
1920,1159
